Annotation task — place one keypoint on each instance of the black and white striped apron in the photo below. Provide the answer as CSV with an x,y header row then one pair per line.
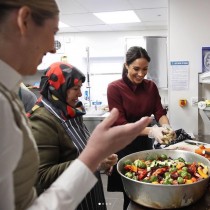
x,y
79,134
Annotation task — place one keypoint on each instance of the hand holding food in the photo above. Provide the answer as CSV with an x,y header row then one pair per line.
x,y
163,135
156,133
168,134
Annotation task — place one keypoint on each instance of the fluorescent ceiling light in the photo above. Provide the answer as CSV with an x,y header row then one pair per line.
x,y
62,25
118,17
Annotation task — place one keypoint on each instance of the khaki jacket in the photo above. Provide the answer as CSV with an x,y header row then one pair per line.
x,y
55,147
25,173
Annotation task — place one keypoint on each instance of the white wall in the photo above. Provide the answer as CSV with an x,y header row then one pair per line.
x,y
188,33
106,50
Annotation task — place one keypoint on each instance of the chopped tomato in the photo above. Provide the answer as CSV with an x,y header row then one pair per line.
x,y
142,173
192,168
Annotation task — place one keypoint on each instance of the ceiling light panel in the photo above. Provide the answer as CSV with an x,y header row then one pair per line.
x,y
118,17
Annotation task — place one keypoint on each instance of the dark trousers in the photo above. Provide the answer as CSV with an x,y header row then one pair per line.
x,y
126,201
114,181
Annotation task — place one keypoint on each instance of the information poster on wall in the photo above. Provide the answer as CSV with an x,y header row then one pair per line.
x,y
179,75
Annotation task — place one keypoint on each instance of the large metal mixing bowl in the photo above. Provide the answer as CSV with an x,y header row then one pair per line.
x,y
159,196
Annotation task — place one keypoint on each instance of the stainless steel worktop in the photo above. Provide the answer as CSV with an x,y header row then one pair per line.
x,y
93,117
91,121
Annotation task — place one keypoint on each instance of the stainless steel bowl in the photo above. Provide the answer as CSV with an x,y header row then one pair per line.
x,y
164,196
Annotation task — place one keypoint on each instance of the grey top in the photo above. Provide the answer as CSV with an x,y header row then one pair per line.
x,y
27,97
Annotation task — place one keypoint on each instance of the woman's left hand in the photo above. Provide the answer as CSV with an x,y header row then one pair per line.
x,y
168,134
108,162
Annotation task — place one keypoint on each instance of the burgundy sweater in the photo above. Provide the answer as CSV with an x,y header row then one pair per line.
x,y
134,101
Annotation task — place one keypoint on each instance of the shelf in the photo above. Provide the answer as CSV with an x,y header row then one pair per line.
x,y
204,116
207,109
204,77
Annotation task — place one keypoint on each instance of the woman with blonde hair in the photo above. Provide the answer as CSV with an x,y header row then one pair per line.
x,y
27,29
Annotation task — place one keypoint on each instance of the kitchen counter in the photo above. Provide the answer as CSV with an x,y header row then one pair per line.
x,y
93,117
202,204
92,120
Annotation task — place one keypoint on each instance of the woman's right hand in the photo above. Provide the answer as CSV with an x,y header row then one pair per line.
x,y
156,133
106,139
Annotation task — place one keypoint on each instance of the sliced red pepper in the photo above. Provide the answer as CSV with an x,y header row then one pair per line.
x,y
142,173
131,168
159,171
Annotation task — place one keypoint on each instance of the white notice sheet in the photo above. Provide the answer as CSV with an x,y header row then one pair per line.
x,y
179,75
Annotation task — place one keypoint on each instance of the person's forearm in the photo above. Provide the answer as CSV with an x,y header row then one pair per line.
x,y
91,158
164,120
68,190
145,132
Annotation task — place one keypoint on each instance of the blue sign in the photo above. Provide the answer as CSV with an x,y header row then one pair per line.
x,y
179,62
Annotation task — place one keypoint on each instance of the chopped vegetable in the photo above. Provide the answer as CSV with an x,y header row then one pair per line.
x,y
127,162
140,164
201,172
201,150
163,157
180,165
131,168
180,180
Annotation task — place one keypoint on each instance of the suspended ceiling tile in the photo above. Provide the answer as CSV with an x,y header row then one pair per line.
x,y
96,28
70,7
152,14
105,5
81,19
142,4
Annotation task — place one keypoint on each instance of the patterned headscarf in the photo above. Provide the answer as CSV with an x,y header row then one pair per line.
x,y
58,79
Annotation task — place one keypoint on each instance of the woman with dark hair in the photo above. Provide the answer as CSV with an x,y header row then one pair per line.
x,y
135,97
59,131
